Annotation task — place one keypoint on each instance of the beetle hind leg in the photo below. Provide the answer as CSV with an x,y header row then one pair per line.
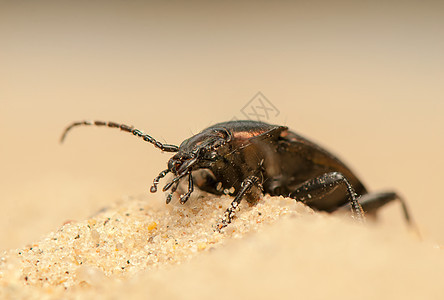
x,y
372,202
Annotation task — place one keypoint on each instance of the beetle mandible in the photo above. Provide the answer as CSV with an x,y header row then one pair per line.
x,y
249,158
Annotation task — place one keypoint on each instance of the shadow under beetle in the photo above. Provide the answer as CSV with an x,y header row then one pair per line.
x,y
249,158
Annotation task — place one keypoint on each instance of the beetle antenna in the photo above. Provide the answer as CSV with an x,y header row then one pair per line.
x,y
130,129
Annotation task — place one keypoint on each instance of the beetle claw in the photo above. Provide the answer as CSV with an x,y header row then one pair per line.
x,y
184,198
220,226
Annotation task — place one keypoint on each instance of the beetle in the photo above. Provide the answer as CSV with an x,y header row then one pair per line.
x,y
246,159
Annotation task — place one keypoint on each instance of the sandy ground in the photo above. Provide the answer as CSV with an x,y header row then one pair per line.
x,y
138,248
365,81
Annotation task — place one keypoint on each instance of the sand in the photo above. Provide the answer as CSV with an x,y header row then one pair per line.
x,y
362,79
141,248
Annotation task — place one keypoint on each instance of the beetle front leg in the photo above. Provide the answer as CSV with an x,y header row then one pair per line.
x,y
314,192
185,197
247,184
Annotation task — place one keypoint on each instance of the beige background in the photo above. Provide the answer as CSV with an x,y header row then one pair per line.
x,y
366,81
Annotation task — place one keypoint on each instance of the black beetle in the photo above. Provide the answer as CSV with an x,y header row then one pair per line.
x,y
249,158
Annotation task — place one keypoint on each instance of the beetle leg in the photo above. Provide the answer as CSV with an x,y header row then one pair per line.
x,y
318,188
170,195
185,197
373,201
247,184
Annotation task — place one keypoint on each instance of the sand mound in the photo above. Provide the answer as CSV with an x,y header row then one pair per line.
x,y
143,249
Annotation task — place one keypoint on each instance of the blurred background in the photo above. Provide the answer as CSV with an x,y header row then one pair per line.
x,y
365,80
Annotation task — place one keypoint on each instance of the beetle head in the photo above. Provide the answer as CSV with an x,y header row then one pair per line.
x,y
198,152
